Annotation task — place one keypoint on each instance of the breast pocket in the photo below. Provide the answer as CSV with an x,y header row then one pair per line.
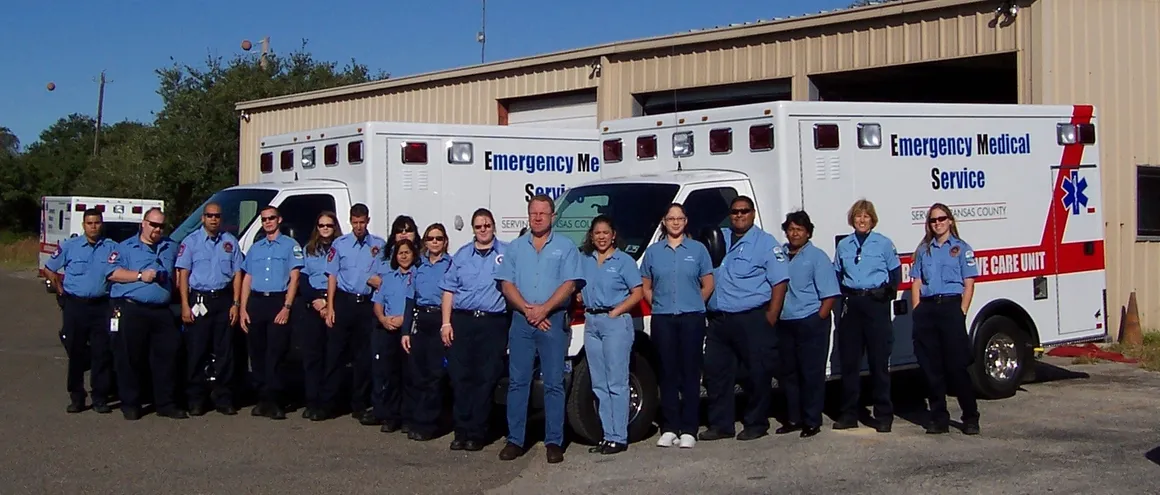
x,y
744,267
226,265
76,268
952,272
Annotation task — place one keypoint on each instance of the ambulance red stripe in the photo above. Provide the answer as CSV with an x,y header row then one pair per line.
x,y
1051,257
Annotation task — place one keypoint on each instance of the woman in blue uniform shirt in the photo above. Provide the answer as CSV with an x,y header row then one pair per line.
x,y
423,343
803,330
394,304
678,278
611,289
869,272
943,283
475,327
310,315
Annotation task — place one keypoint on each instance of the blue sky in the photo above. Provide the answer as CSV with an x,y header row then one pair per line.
x,y
69,42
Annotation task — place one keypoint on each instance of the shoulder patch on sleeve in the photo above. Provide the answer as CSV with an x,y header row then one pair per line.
x,y
298,252
56,253
499,259
181,249
228,247
969,256
112,257
778,253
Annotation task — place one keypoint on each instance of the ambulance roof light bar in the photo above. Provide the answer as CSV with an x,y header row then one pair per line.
x,y
460,153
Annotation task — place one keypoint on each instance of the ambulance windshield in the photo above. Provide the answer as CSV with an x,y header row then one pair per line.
x,y
637,210
239,209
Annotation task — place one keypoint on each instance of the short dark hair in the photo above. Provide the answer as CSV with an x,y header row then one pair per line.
x,y
359,210
746,199
395,252
93,212
545,198
156,209
268,208
800,218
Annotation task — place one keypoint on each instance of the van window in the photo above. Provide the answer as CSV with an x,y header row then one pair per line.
x,y
300,214
636,209
708,208
239,209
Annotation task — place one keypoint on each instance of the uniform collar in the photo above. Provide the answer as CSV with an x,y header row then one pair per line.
x,y
212,238
951,239
425,261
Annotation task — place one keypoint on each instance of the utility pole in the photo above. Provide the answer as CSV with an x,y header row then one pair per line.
x,y
100,110
246,46
481,37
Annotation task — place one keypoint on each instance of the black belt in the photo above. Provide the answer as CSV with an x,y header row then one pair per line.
x,y
846,291
428,309
357,298
477,313
598,311
144,304
942,298
87,300
213,294
267,294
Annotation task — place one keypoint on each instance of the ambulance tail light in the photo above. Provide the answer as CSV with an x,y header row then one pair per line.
x,y
137,209
414,152
286,160
101,208
613,150
682,144
1075,134
80,207
761,137
869,136
460,153
646,147
720,141
267,162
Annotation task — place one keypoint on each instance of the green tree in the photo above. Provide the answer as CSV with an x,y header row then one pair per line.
x,y
197,129
9,143
48,167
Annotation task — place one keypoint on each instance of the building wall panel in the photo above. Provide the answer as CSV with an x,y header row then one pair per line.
x,y
455,102
1105,53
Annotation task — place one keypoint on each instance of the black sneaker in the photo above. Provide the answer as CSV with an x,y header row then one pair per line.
x,y
710,435
971,429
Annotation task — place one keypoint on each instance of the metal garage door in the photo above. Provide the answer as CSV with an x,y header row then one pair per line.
x,y
571,111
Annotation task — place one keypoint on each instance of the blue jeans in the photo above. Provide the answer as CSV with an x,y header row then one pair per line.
x,y
608,346
524,343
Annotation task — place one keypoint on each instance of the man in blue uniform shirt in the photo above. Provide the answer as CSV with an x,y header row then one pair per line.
x,y
85,295
352,266
538,275
141,269
268,290
750,288
209,281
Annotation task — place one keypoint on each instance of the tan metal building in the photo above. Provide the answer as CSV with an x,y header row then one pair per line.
x,y
1100,52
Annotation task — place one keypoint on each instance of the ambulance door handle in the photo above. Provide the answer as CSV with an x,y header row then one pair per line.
x,y
1089,248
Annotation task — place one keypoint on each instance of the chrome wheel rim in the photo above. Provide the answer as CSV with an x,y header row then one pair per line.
x,y
1001,358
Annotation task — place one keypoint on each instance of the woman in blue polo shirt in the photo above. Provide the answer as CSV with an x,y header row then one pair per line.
x,y
803,331
611,290
942,285
678,278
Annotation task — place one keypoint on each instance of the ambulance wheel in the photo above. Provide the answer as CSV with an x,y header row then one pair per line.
x,y
643,402
1002,357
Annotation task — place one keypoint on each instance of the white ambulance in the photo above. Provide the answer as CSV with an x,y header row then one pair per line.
x,y
1023,182
62,217
432,172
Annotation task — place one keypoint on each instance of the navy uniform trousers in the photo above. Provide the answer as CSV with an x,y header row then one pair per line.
x,y
146,344
85,335
269,344
944,354
210,350
745,339
865,325
425,371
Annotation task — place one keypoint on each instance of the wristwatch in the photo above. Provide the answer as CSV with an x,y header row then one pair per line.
x,y
286,305
138,276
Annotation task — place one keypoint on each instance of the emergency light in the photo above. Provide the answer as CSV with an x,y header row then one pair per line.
x,y
613,150
354,151
646,147
761,137
720,141
414,152
459,153
119,209
330,155
286,160
1075,133
869,136
682,144
308,157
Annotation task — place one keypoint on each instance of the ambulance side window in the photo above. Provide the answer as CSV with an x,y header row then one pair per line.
x,y
60,221
708,208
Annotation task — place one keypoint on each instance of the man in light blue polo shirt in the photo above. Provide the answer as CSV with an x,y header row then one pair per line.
x,y
746,302
538,275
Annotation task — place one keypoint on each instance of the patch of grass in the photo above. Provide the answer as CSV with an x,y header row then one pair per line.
x,y
19,252
1148,353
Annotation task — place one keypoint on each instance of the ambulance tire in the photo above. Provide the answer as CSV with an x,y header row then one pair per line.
x,y
644,396
1001,358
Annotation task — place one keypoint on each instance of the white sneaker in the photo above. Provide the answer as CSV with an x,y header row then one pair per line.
x,y
667,440
688,441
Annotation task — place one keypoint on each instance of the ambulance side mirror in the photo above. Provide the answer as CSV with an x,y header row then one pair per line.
x,y
714,241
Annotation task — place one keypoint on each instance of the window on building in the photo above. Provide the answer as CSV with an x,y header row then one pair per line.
x,y
1148,202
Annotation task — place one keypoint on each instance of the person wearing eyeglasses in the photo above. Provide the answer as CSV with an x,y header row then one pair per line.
x,y
352,265
310,313
943,283
677,274
422,342
869,270
475,330
803,332
209,281
268,290
147,340
750,287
